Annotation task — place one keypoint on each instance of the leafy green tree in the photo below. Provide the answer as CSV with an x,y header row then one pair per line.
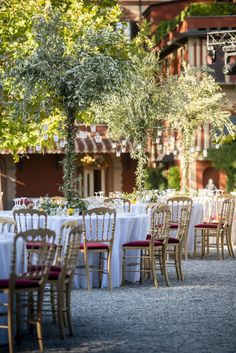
x,y
188,101
224,159
173,178
72,58
130,111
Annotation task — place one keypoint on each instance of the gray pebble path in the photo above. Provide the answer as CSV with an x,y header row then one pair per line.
x,y
194,316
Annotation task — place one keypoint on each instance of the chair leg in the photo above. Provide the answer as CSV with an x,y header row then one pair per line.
x,y
180,264
141,266
153,264
218,246
229,243
52,299
68,307
87,269
195,244
176,254
100,270
203,244
165,267
222,246
60,307
18,316
123,268
10,323
39,322
109,270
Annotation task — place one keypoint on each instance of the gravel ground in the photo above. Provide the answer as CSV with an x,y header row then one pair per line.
x,y
198,315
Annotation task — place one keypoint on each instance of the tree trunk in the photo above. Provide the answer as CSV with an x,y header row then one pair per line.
x,y
69,167
185,171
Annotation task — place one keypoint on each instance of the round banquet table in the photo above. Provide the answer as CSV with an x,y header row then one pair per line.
x,y
129,227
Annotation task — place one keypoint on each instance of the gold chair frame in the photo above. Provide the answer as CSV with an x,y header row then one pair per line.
x,y
7,224
66,259
30,219
151,254
221,231
35,279
176,203
126,203
91,235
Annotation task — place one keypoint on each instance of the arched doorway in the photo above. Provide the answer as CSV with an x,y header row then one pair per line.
x,y
211,173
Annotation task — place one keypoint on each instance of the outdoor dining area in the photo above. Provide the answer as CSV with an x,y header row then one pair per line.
x,y
113,242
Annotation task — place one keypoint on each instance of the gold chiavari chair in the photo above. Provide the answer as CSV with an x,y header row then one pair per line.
x,y
176,244
116,200
61,274
151,249
176,203
220,231
7,225
29,219
26,284
98,237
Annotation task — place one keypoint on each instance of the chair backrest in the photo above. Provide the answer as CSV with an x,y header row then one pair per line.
x,y
119,201
7,225
160,223
219,203
175,204
70,251
227,213
99,225
184,222
39,266
63,236
29,219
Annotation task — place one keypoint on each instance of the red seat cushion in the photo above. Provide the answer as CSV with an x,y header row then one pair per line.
x,y
173,240
142,243
207,225
37,245
33,268
95,246
20,283
174,226
148,237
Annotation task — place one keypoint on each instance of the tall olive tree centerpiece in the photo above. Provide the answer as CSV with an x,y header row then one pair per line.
x,y
188,101
74,57
130,112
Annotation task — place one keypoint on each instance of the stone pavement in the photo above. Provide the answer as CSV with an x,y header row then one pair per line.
x,y
197,316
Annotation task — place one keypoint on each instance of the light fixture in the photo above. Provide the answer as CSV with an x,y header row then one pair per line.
x,y
211,55
230,63
98,138
93,128
56,138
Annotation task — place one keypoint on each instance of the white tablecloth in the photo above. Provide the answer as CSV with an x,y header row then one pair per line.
x,y
129,227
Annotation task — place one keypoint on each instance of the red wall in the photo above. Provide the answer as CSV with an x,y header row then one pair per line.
x,y
38,175
128,172
168,10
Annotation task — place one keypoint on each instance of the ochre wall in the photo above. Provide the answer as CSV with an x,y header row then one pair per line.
x,y
38,175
